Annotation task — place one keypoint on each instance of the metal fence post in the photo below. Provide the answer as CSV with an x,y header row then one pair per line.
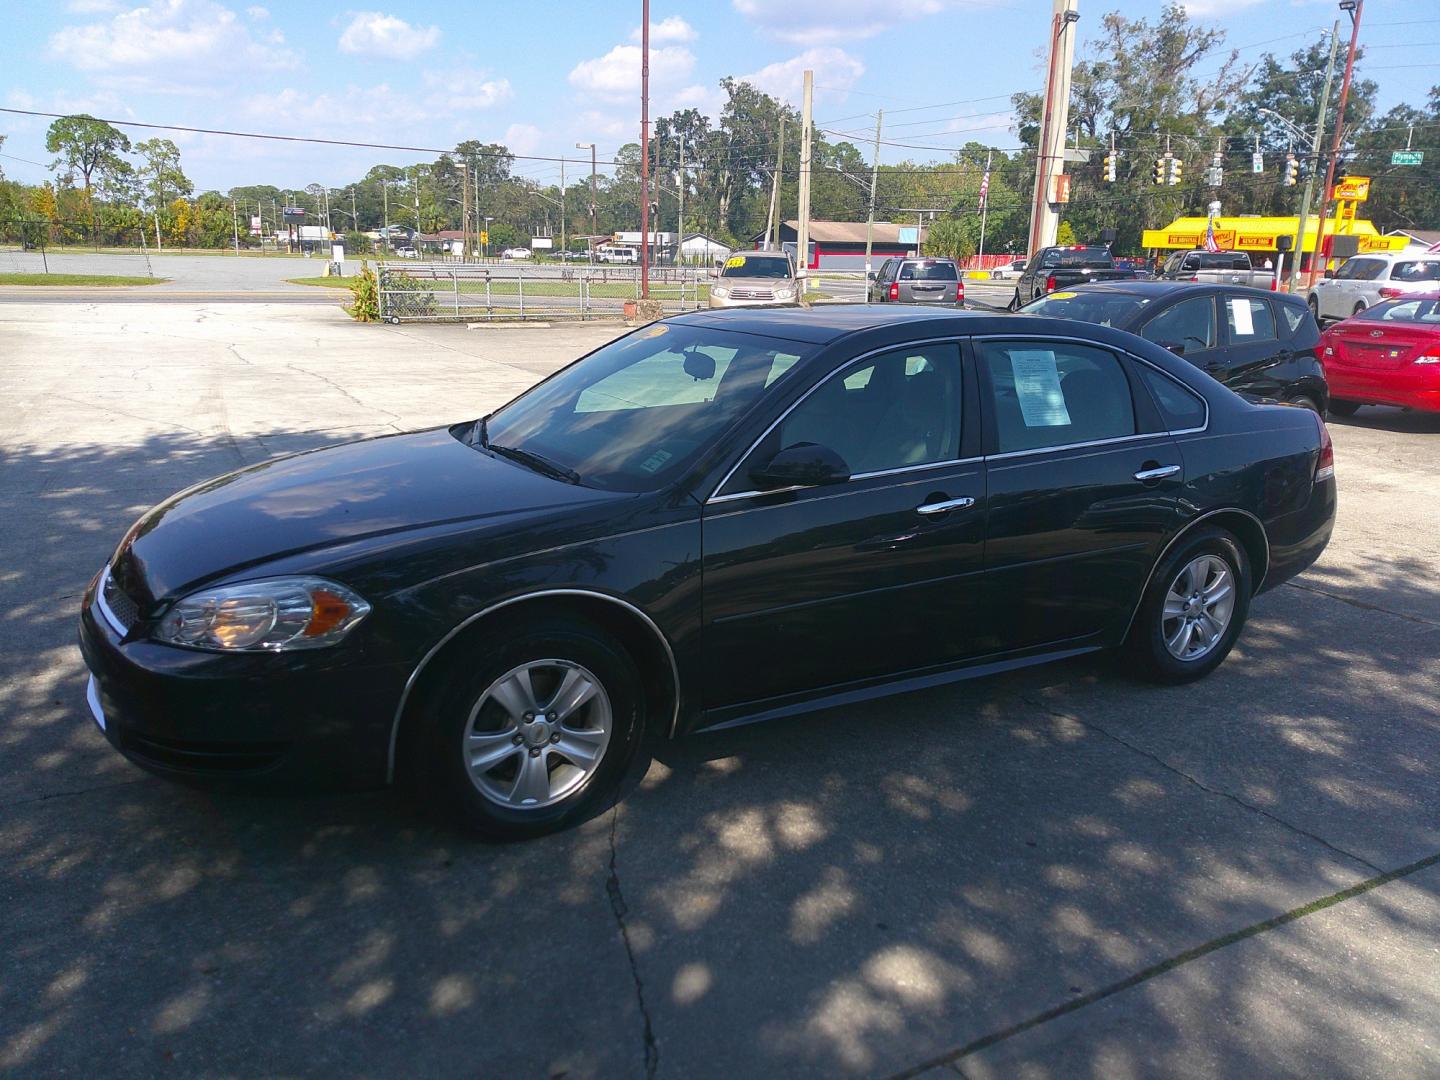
x,y
520,288
489,303
455,283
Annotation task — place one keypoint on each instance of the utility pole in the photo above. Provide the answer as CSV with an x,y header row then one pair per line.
x,y
464,209
807,124
776,215
874,179
1314,163
645,150
680,214
985,205
385,198
563,246
1050,154
1354,8
235,225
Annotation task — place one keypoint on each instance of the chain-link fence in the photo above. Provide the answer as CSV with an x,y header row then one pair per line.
x,y
460,291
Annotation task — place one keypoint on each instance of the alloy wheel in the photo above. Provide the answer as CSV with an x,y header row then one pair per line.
x,y
1198,608
537,734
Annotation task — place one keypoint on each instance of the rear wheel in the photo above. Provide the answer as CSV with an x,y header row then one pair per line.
x,y
1193,609
530,731
1314,305
1343,408
1359,309
1306,402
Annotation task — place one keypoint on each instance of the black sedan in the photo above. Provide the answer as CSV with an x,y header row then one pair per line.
x,y
1258,343
723,517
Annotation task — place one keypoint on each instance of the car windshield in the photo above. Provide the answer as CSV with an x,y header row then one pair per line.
x,y
759,266
928,271
1424,311
636,413
1104,308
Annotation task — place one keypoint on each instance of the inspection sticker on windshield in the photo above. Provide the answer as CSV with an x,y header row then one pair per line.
x,y
1037,385
734,261
656,461
1062,296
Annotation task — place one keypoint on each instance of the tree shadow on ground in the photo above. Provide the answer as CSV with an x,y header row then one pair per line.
x,y
850,893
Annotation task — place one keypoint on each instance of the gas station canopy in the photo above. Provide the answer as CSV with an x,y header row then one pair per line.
x,y
1259,233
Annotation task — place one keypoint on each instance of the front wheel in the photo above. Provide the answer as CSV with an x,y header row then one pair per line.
x,y
1193,609
532,730
1314,304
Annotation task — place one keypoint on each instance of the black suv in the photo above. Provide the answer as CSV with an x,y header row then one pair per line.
x,y
1258,343
917,281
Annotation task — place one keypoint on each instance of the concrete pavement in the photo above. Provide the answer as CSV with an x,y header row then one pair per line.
x,y
1055,873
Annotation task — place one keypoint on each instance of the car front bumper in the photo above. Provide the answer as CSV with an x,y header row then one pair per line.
x,y
294,720
732,302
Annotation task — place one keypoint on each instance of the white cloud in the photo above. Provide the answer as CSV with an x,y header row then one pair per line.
x,y
616,75
464,90
522,138
707,99
374,33
823,22
364,110
197,42
257,12
93,7
786,78
672,29
593,124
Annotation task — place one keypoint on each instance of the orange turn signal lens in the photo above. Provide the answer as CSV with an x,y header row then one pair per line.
x,y
327,611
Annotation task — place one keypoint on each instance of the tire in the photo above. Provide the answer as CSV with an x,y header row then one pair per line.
x,y
1201,555
1014,304
1343,408
1313,303
1305,401
467,715
1359,309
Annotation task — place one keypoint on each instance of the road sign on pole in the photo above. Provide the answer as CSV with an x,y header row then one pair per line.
x,y
1257,162
1407,157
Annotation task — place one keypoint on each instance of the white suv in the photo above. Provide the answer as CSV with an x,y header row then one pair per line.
x,y
1365,280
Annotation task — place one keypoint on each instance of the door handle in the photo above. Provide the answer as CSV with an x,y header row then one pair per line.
x,y
1160,472
946,506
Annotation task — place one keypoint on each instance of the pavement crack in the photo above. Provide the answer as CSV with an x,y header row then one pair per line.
x,y
1236,799
1361,604
617,905
952,1058
347,394
75,791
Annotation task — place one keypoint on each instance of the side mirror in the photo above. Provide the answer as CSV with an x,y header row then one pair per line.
x,y
872,275
1178,348
1329,275
802,465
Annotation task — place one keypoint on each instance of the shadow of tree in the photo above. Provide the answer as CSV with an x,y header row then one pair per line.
x,y
849,893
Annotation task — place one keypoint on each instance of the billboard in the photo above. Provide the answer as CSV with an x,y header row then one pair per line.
x,y
541,242
292,215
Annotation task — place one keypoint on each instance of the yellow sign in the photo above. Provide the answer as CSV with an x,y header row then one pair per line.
x,y
734,262
484,237
1354,188
1384,243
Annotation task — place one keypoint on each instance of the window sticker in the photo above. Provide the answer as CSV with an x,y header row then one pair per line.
x,y
1241,317
654,330
1037,385
656,461
734,262
1062,296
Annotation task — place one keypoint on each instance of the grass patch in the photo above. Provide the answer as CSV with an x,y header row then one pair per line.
x,y
77,279
322,282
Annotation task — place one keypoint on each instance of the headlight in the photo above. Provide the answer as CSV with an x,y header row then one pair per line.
x,y
784,294
720,291
277,615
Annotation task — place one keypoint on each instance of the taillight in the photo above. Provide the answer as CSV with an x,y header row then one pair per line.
x,y
1195,278
959,292
1390,294
894,291
1325,464
1274,283
1050,283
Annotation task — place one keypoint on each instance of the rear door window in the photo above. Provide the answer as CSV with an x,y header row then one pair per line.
x,y
1249,319
1428,270
1189,324
1056,393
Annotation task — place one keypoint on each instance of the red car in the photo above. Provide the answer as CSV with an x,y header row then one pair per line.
x,y
1388,354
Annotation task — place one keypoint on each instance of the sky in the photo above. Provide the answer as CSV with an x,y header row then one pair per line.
x,y
546,74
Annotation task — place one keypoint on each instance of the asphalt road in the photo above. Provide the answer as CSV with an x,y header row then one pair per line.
x,y
1057,873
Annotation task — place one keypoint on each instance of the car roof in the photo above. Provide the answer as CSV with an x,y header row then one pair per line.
x,y
1151,289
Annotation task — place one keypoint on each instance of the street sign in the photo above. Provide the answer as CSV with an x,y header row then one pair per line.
x,y
1257,162
1407,157
484,237
1079,156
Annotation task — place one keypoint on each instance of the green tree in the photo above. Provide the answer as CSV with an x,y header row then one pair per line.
x,y
85,145
1065,234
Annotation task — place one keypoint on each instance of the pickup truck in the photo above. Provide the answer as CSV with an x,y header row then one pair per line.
x,y
1061,267
1216,268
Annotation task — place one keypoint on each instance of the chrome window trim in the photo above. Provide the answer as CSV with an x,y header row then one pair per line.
x,y
1113,348
471,619
950,339
858,476
104,608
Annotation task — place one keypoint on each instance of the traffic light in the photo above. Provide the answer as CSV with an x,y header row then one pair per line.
x,y
1292,171
1110,168
1217,170
1159,170
1173,175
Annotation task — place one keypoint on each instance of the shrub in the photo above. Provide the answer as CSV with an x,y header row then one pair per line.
x,y
366,290
405,295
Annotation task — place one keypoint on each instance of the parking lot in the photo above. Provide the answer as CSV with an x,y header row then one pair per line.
x,y
1054,873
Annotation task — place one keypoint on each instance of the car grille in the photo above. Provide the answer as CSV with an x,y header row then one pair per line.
x,y
752,294
124,609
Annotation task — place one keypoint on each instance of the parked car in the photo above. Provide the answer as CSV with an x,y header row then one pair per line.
x,y
1063,267
1008,270
916,281
706,521
755,279
1258,343
515,253
1217,268
407,253
1140,267
1388,354
626,256
1366,280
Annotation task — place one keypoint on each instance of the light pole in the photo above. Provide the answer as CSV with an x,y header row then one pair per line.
x,y
485,239
645,149
1353,8
591,147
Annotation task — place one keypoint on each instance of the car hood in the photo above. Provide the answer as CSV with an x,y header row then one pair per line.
x,y
756,282
325,498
